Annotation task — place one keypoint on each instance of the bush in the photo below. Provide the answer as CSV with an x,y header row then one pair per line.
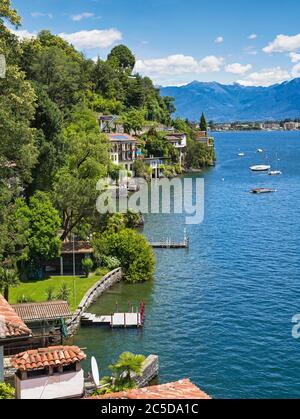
x,y
64,292
132,250
50,293
110,262
87,266
24,300
7,392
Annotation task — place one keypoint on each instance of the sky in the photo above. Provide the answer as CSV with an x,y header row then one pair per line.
x,y
254,43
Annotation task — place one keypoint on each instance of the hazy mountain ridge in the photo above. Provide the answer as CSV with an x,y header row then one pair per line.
x,y
234,102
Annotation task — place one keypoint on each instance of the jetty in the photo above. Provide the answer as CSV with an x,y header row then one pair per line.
x,y
116,320
169,244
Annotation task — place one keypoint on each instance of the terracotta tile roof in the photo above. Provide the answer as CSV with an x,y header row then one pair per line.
x,y
79,247
180,390
43,311
11,326
41,358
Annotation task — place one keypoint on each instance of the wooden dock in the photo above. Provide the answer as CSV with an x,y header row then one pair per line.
x,y
116,320
169,245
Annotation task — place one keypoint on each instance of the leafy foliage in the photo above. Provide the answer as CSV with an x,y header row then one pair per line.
x,y
123,372
87,266
7,392
132,250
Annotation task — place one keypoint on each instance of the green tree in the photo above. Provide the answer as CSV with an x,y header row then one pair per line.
x,y
8,278
43,224
132,250
123,372
74,189
133,120
203,123
50,141
87,266
121,58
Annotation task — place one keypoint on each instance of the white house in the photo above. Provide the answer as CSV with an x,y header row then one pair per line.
x,y
49,373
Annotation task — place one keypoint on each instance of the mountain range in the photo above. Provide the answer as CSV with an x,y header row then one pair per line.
x,y
229,103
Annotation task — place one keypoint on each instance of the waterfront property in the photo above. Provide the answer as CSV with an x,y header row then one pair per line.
x,y
123,150
13,331
156,165
179,142
49,373
46,320
203,138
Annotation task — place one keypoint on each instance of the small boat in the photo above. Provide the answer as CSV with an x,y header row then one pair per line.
x,y
262,168
260,150
258,191
275,173
241,154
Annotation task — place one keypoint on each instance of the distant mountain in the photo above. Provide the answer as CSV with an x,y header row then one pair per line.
x,y
228,103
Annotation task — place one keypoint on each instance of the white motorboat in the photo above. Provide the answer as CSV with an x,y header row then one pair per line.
x,y
275,173
261,168
260,150
241,154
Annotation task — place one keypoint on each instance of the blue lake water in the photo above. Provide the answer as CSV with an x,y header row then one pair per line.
x,y
220,313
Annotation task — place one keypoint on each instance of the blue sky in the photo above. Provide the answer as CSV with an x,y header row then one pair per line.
x,y
175,41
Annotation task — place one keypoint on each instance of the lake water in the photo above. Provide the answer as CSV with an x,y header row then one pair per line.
x,y
220,313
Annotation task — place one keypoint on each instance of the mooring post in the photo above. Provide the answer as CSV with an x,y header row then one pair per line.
x,y
125,320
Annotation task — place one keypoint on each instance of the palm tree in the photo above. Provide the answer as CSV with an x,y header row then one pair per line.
x,y
8,278
127,365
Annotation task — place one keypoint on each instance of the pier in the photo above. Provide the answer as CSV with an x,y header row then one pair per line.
x,y
169,244
116,320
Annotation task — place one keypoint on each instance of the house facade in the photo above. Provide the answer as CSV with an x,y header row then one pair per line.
x,y
123,150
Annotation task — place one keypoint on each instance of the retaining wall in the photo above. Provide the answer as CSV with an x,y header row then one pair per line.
x,y
92,295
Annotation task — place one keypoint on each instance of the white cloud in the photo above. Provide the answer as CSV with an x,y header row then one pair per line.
x,y
92,39
85,15
40,14
295,58
283,43
219,40
252,36
178,64
296,71
266,77
24,34
237,68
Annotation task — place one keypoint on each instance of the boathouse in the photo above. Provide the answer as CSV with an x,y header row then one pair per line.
x,y
49,373
47,321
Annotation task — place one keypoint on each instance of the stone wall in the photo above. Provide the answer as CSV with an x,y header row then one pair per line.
x,y
149,372
92,295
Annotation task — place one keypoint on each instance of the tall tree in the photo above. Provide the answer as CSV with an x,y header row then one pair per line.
x,y
122,58
203,123
74,191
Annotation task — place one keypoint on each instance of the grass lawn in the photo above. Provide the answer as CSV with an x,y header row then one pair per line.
x,y
36,290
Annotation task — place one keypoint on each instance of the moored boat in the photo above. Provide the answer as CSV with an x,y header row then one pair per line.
x,y
275,173
262,191
260,168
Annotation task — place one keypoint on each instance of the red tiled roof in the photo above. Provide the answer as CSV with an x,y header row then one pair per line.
x,y
45,357
11,326
180,390
43,311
